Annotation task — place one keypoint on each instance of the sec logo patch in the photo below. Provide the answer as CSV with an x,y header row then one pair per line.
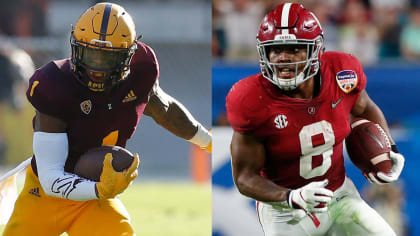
x,y
281,121
347,80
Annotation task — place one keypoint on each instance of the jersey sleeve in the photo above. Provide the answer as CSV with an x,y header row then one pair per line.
x,y
145,69
45,94
362,80
354,95
237,111
345,65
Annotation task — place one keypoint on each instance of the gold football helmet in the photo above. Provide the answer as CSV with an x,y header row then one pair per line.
x,y
103,41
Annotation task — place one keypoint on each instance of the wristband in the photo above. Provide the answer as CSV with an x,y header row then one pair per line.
x,y
202,137
289,200
394,148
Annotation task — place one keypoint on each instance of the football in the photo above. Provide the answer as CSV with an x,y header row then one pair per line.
x,y
368,146
90,163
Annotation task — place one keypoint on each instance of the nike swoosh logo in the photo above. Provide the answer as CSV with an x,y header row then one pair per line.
x,y
334,104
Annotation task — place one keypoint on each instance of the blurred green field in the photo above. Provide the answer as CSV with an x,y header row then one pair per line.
x,y
168,209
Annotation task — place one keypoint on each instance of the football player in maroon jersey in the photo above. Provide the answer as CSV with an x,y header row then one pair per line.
x,y
94,98
289,124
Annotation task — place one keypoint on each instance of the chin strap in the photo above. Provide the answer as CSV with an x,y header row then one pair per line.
x,y
289,86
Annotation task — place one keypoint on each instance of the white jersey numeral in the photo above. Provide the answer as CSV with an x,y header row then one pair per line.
x,y
309,151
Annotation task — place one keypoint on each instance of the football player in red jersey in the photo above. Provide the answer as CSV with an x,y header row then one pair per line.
x,y
289,124
94,98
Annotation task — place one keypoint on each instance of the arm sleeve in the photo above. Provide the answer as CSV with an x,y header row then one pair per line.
x,y
51,150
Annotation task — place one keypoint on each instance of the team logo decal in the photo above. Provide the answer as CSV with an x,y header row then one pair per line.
x,y
347,80
86,106
281,121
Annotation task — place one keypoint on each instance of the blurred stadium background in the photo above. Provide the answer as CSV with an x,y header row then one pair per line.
x,y
172,171
385,36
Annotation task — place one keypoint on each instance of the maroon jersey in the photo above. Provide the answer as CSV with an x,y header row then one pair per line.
x,y
93,118
303,139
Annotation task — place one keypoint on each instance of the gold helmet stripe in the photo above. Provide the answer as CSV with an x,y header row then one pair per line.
x,y
105,20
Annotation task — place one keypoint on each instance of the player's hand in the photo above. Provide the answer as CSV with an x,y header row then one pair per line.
x,y
385,178
312,197
112,182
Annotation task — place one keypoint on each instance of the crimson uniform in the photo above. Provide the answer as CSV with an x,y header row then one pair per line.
x,y
93,119
303,142
303,138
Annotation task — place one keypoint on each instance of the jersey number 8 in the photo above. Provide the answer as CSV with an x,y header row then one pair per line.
x,y
306,135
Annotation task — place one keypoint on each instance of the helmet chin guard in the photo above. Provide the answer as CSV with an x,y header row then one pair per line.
x,y
290,24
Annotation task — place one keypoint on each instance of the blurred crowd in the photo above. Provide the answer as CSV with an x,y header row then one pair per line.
x,y
372,30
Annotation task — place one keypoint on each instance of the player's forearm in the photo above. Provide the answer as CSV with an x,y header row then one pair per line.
x,y
182,123
374,114
51,151
260,189
173,116
178,120
367,109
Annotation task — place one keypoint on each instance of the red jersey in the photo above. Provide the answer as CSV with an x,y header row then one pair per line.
x,y
93,118
303,139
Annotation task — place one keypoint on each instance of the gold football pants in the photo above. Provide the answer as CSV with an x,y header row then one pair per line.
x,y
35,214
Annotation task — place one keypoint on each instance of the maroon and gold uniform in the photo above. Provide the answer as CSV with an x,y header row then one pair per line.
x,y
93,119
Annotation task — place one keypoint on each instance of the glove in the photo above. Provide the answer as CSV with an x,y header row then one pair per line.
x,y
208,148
112,182
386,178
312,197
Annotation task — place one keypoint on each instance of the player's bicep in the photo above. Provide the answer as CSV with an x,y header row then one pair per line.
x,y
158,103
361,104
49,124
248,156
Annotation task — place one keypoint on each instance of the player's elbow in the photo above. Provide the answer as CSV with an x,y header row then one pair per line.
x,y
46,182
242,182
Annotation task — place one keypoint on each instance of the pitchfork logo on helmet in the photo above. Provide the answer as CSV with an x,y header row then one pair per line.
x,y
290,24
103,41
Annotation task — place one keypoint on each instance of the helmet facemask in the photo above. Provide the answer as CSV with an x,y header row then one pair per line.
x,y
311,64
100,58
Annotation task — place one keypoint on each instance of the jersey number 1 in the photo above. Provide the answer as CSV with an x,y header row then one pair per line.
x,y
307,136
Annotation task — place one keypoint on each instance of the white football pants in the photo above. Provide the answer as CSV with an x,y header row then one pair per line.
x,y
347,215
